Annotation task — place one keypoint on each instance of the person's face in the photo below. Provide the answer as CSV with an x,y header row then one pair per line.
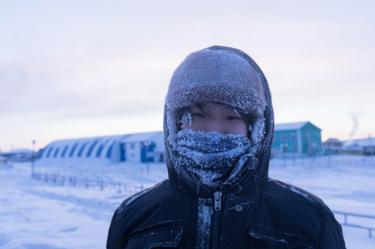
x,y
218,118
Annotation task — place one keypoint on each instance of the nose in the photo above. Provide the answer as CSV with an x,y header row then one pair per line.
x,y
220,126
216,126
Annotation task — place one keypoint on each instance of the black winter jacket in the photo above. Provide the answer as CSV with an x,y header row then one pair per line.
x,y
277,216
252,212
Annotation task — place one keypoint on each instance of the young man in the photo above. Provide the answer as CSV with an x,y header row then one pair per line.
x,y
218,126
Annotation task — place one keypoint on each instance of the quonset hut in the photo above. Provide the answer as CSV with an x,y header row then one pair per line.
x,y
140,147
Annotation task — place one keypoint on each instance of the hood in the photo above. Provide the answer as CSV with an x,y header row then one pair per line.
x,y
229,76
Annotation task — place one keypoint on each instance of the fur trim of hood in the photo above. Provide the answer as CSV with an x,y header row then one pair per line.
x,y
216,76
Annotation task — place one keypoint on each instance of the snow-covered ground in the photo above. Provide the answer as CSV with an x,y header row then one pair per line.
x,y
345,183
72,208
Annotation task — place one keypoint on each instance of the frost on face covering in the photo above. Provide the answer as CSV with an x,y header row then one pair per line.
x,y
210,156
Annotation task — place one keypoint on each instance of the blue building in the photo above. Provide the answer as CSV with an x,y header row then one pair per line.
x,y
297,139
106,148
145,147
139,147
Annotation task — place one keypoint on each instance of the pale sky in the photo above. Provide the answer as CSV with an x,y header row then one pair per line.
x,y
87,68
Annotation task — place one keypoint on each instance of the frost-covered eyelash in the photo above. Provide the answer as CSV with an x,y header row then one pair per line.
x,y
227,117
237,112
186,119
199,114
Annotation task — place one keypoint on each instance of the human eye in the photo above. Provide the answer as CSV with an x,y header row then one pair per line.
x,y
198,114
233,117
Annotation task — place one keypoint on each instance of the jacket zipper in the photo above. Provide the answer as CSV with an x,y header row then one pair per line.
x,y
217,219
217,200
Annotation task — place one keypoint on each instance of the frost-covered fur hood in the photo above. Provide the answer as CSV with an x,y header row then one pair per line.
x,y
226,75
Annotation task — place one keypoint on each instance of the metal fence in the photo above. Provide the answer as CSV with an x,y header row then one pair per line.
x,y
100,184
347,215
84,182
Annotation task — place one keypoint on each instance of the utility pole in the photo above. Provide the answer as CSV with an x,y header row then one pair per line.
x,y
33,142
355,123
371,145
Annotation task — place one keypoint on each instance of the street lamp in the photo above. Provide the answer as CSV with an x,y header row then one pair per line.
x,y
147,144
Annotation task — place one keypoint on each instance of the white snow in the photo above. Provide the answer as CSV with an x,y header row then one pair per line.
x,y
35,214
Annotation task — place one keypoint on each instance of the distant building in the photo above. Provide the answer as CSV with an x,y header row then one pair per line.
x,y
362,146
5,163
145,147
333,146
98,148
3,160
297,139
140,147
20,155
